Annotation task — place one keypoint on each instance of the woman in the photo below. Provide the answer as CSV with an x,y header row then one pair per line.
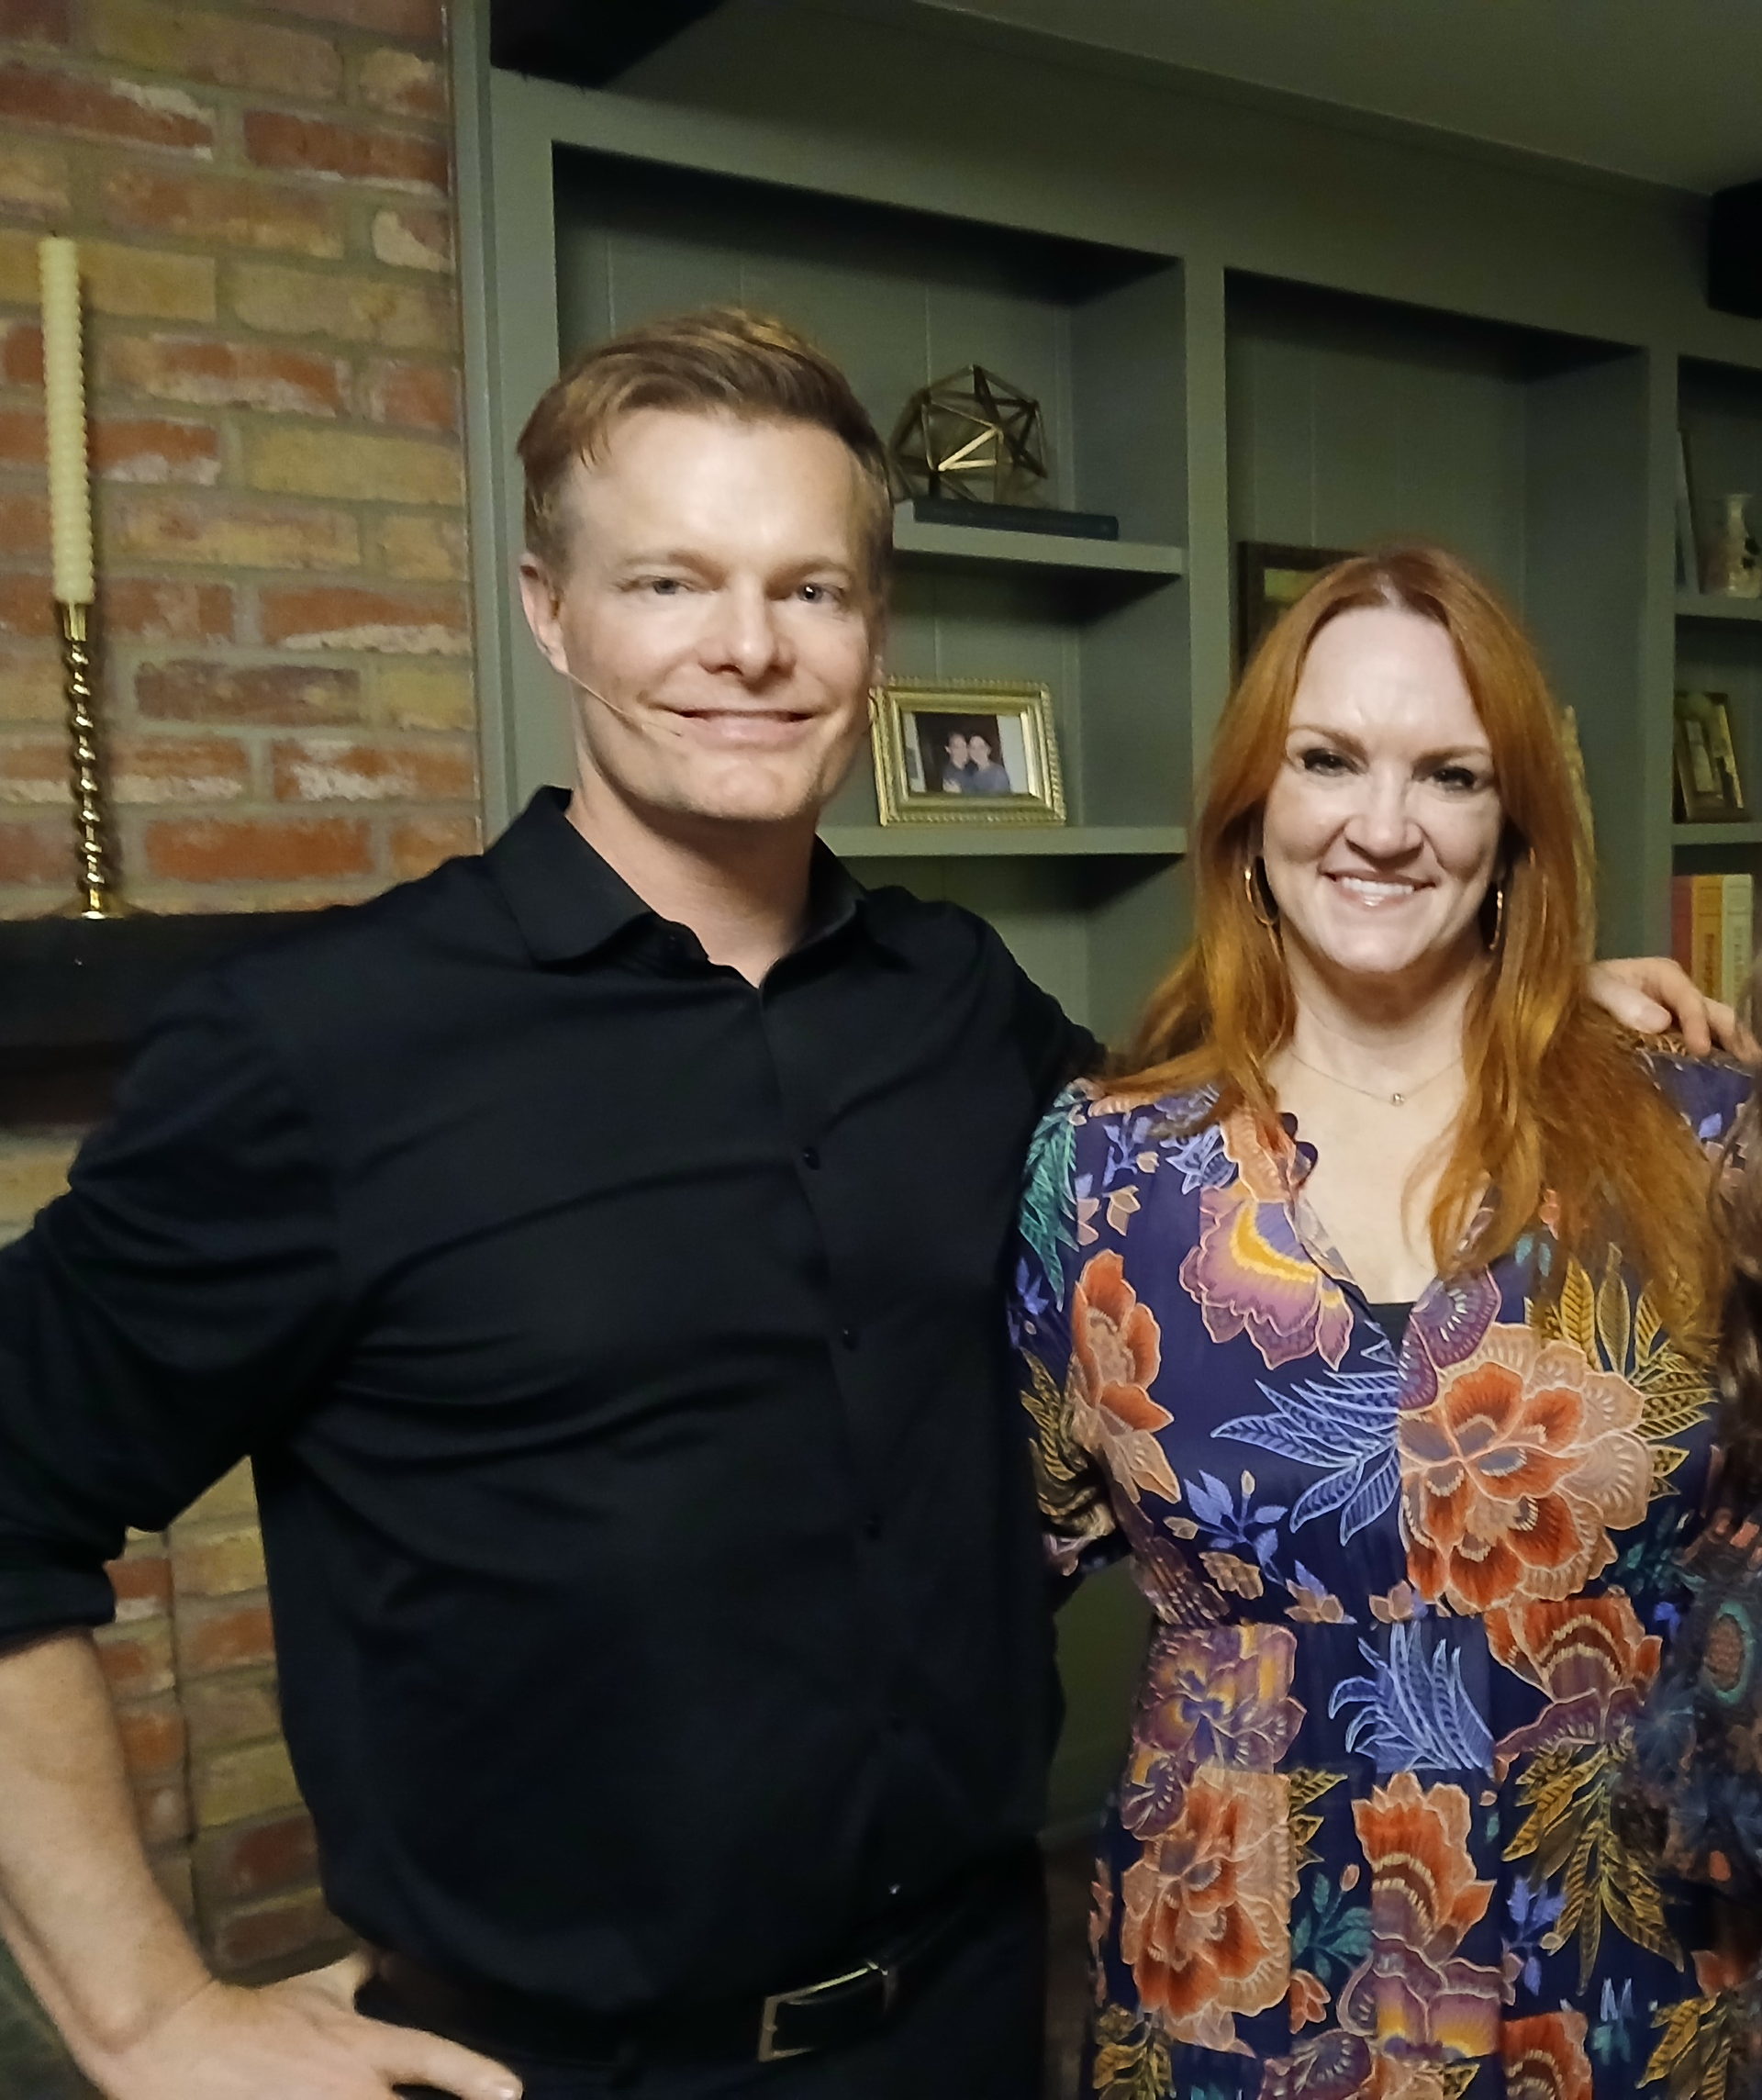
x,y
1370,1309
1696,1791
989,778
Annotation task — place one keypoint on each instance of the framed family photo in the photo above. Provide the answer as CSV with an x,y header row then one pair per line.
x,y
1709,790
966,752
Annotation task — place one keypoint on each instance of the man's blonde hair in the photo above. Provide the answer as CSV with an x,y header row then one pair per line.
x,y
721,361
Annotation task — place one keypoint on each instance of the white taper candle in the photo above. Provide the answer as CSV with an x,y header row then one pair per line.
x,y
70,486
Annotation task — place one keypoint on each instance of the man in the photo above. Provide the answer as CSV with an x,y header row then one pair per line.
x,y
955,763
597,1248
988,776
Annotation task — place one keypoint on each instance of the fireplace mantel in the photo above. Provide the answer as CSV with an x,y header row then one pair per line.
x,y
75,995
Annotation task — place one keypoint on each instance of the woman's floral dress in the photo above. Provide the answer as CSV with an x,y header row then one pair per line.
x,y
1408,1605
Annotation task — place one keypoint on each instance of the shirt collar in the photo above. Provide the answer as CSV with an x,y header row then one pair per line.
x,y
568,903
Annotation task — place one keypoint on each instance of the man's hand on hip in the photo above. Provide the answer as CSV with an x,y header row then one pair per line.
x,y
299,2040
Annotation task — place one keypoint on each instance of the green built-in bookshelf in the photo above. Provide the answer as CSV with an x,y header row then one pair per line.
x,y
1719,640
1245,319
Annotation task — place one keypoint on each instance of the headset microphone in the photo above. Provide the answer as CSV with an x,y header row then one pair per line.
x,y
612,707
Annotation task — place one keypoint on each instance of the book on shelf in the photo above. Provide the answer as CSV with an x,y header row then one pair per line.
x,y
1712,932
1737,936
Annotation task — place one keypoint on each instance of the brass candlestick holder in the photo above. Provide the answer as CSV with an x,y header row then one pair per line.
x,y
100,894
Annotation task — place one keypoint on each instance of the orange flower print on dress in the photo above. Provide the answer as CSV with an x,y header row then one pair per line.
x,y
1589,1656
1116,1352
1717,1970
1514,1476
1424,1898
1251,1274
1206,1929
1545,2057
1309,1999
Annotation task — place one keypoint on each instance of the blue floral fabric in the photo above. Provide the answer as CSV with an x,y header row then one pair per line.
x,y
1408,1607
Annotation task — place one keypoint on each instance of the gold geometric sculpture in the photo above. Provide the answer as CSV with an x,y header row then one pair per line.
x,y
972,436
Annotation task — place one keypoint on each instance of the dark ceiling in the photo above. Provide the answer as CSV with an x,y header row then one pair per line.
x,y
587,44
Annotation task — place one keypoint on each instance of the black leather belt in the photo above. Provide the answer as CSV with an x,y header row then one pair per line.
x,y
840,2009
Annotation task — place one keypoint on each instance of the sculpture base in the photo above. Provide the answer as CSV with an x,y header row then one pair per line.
x,y
1014,516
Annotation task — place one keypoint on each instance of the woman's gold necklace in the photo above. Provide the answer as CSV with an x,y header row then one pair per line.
x,y
1372,1093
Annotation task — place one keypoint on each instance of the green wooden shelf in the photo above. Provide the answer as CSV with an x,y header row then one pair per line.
x,y
1006,841
1737,611
1716,834
1232,356
1033,550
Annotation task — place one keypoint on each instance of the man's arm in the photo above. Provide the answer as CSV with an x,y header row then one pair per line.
x,y
159,1320
109,1958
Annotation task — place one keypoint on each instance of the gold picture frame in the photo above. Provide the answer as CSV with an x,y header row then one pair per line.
x,y
965,750
1710,788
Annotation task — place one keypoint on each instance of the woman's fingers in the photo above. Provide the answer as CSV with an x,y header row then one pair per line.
x,y
1652,994
1730,1033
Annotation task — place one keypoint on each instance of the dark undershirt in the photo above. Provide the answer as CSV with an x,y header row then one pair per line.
x,y
1392,1319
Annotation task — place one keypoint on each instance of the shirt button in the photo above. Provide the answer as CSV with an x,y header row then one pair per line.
x,y
810,1156
848,1336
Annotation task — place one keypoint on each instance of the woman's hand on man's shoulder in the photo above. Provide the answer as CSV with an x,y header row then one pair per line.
x,y
1653,996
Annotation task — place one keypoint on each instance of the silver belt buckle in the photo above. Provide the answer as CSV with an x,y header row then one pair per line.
x,y
768,2050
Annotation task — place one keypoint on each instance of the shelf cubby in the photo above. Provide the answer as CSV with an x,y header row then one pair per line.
x,y
1718,640
1355,420
1095,334
1719,411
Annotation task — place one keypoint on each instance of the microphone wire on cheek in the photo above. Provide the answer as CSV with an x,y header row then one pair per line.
x,y
612,707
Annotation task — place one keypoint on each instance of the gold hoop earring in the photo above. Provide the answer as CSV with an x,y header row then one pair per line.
x,y
1252,886
1499,920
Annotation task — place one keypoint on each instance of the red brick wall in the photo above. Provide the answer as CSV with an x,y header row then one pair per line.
x,y
262,197
192,1668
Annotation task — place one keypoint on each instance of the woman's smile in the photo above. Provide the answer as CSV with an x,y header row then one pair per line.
x,y
1375,892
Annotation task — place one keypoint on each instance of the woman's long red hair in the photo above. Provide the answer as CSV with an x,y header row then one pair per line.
x,y
1557,1101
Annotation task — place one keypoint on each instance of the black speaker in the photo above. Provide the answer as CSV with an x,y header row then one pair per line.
x,y
589,44
1735,252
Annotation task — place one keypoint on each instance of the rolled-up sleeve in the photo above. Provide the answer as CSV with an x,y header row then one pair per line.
x,y
164,1316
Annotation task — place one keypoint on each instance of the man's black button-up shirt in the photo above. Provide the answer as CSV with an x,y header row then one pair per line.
x,y
652,1548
